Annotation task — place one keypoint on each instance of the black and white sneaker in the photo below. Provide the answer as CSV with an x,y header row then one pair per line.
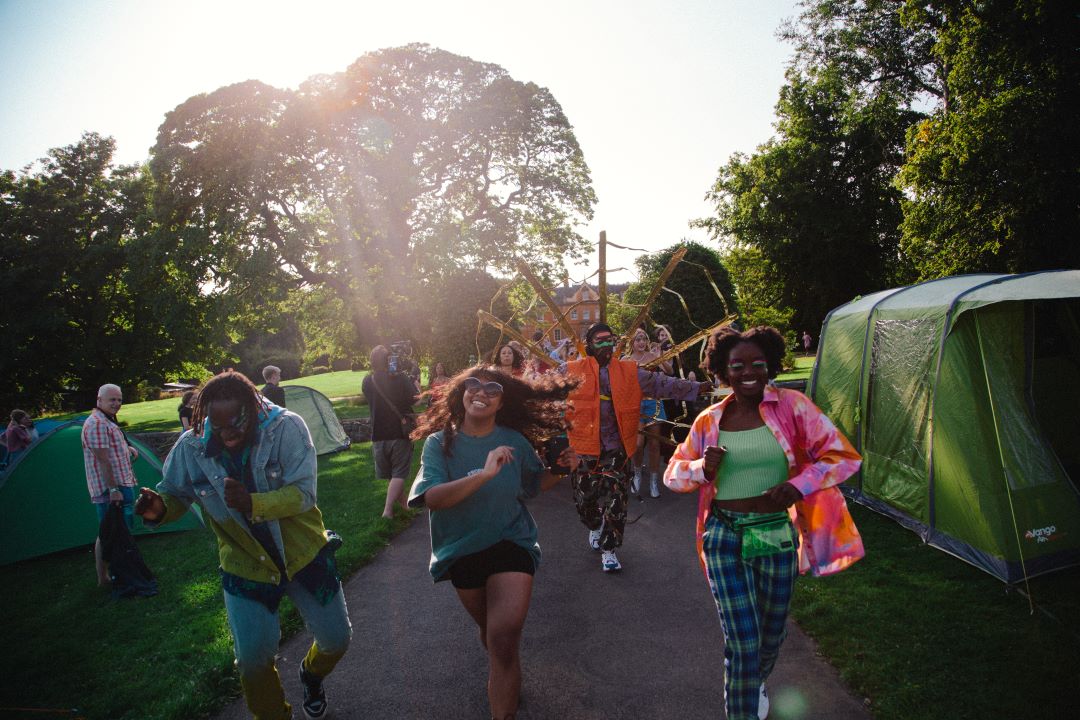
x,y
314,698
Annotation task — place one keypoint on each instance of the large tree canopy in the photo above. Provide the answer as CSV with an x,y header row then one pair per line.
x,y
411,162
94,291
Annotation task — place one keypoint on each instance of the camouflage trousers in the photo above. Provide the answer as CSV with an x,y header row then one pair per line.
x,y
601,490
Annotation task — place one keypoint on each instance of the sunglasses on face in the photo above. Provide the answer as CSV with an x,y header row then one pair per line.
x,y
756,365
237,423
608,342
490,388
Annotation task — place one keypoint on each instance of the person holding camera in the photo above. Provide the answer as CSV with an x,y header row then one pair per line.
x,y
479,466
390,395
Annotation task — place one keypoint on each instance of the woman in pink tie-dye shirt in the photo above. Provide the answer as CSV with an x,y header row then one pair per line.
x,y
762,455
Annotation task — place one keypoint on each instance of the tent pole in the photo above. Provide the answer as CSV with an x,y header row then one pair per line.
x,y
1001,458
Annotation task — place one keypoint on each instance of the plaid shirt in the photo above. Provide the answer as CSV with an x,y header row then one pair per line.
x,y
99,433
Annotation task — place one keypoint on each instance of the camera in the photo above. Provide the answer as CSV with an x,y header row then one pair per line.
x,y
400,357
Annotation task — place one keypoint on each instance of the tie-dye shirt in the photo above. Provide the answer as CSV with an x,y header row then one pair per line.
x,y
819,458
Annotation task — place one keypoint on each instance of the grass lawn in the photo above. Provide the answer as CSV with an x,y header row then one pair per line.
x,y
161,415
167,657
804,366
925,636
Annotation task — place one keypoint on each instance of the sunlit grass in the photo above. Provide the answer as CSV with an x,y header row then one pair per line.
x,y
925,636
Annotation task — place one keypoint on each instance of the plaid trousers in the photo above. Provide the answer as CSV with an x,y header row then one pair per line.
x,y
752,598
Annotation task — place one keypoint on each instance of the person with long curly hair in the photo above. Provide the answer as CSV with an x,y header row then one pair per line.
x,y
765,462
479,466
509,360
251,468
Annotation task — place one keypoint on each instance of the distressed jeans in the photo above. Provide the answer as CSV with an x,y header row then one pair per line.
x,y
256,632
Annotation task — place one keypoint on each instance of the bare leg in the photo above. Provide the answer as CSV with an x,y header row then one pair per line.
x,y
99,562
475,602
508,596
393,494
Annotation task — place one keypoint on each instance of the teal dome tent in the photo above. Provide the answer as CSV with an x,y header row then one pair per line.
x,y
44,503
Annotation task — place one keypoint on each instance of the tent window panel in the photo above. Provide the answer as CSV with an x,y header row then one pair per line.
x,y
901,372
1054,330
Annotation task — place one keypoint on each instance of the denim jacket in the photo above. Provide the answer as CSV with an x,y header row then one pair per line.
x,y
284,468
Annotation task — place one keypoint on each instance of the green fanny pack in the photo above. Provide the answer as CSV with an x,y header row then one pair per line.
x,y
765,535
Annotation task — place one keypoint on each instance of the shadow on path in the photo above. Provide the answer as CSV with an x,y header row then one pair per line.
x,y
641,644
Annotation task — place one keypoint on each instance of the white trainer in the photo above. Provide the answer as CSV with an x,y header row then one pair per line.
x,y
594,539
609,562
654,486
635,482
762,703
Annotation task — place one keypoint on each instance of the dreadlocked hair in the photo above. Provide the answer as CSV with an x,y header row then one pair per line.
x,y
229,385
535,408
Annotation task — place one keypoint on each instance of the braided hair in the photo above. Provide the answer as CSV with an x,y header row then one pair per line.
x,y
229,385
534,408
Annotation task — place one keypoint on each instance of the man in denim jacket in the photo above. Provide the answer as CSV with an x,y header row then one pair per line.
x,y
250,466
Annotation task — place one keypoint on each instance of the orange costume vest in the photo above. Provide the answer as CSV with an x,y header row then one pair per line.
x,y
584,411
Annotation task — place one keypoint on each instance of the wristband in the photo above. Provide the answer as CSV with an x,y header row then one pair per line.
x,y
114,489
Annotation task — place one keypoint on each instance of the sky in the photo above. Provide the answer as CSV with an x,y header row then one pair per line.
x,y
660,94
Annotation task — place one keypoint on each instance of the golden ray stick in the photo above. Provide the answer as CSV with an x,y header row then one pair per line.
x,y
603,276
544,295
692,340
675,259
490,319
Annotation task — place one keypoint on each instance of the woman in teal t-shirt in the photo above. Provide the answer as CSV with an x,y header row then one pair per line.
x,y
478,466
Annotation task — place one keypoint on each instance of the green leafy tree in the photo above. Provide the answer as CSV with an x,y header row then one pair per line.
x,y
759,297
688,303
96,291
991,178
451,305
818,200
411,162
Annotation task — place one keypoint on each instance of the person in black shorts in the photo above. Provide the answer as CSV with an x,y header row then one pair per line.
x,y
479,465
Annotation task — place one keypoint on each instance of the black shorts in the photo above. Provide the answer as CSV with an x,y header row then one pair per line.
x,y
472,571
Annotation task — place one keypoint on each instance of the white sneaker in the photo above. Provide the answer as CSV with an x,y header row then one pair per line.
x,y
609,562
635,482
654,486
594,539
762,703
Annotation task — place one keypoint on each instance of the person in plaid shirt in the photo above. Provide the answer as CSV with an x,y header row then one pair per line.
x,y
108,458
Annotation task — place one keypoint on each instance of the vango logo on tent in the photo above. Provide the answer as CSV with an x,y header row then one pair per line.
x,y
1044,534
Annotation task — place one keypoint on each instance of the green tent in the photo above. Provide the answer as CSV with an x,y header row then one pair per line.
x,y
317,411
962,394
44,503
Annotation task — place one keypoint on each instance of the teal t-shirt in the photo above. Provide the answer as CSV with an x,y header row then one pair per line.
x,y
494,512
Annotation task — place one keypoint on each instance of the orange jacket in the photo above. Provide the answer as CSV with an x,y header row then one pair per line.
x,y
584,412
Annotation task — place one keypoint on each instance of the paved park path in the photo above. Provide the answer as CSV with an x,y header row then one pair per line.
x,y
642,644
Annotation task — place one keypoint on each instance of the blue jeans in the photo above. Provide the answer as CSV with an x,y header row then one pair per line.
x,y
256,632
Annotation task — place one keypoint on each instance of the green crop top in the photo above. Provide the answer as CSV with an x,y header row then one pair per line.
x,y
753,463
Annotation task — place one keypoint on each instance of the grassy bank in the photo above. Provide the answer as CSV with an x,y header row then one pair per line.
x,y
168,657
925,636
